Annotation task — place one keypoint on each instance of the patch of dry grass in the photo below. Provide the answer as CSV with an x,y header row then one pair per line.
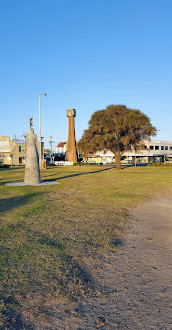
x,y
47,231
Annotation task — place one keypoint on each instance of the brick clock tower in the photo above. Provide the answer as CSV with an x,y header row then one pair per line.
x,y
71,154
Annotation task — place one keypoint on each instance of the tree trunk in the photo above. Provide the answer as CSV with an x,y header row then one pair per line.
x,y
118,160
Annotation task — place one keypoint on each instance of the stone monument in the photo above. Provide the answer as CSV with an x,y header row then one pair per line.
x,y
71,154
32,172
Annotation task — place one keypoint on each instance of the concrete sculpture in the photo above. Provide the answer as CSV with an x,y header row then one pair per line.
x,y
32,172
71,154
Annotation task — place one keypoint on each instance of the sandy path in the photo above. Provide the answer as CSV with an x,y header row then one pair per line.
x,y
135,282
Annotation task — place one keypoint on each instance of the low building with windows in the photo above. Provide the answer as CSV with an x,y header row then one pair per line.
x,y
12,152
150,151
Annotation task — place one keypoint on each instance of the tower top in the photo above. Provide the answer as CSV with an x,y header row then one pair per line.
x,y
71,113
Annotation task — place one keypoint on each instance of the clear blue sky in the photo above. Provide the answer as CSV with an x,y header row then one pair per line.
x,y
85,54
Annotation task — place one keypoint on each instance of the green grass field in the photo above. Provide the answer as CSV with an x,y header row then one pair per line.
x,y
48,231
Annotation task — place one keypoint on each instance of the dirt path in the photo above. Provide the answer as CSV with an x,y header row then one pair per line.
x,y
135,282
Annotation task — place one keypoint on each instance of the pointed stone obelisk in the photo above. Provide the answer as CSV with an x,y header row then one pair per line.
x,y
32,172
71,154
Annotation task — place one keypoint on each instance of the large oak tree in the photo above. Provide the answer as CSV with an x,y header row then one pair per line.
x,y
116,128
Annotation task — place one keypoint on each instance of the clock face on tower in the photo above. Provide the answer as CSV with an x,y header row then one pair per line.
x,y
71,113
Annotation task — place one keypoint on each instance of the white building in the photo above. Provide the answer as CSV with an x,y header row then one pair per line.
x,y
153,151
61,148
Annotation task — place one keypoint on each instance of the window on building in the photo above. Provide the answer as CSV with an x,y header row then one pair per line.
x,y
151,147
156,147
166,147
145,147
20,149
162,147
20,160
170,148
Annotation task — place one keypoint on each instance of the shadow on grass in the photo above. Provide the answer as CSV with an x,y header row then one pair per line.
x,y
76,272
13,319
78,174
117,243
43,239
73,279
7,204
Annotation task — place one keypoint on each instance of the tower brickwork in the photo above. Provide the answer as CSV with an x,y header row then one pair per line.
x,y
71,154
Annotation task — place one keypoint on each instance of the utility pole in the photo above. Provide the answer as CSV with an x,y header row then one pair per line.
x,y
51,144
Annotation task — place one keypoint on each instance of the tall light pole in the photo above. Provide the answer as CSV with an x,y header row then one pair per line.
x,y
40,153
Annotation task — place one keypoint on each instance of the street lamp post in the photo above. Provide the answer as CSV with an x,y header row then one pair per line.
x,y
40,153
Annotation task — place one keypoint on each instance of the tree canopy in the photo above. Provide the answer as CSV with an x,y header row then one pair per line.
x,y
116,128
